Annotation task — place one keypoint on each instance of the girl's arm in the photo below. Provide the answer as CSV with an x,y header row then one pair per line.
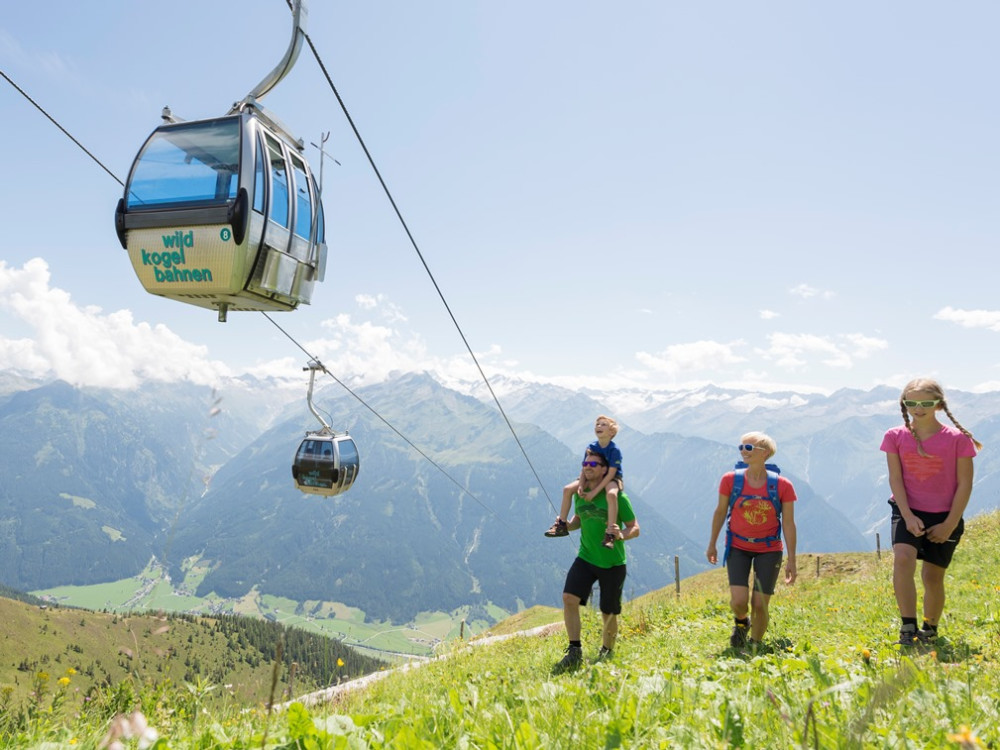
x,y
913,524
942,531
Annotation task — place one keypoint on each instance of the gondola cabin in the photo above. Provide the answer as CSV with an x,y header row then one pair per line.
x,y
326,464
225,214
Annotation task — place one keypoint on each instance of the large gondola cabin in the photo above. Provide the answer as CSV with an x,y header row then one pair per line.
x,y
224,213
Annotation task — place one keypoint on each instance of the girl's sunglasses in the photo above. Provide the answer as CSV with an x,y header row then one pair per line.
x,y
749,448
922,404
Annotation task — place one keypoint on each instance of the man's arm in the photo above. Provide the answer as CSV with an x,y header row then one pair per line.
x,y
631,530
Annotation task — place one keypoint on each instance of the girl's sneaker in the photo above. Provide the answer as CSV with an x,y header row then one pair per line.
x,y
609,540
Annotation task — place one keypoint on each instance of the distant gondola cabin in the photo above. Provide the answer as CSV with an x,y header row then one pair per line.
x,y
326,464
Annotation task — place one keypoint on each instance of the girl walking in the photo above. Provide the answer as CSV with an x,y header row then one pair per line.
x,y
930,475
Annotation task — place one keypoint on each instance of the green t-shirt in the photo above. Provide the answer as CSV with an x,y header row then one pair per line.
x,y
593,524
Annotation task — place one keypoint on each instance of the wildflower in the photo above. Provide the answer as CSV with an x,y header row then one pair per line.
x,y
71,671
340,662
127,727
965,738
64,681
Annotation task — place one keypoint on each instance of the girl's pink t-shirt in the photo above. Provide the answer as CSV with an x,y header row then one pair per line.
x,y
930,480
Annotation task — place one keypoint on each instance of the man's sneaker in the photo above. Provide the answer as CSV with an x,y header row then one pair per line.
x,y
609,540
572,659
739,637
927,635
559,528
908,635
604,654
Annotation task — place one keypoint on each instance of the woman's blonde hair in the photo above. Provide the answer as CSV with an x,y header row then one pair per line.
x,y
762,439
934,388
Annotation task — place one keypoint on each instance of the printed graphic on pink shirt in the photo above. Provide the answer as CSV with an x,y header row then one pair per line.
x,y
920,467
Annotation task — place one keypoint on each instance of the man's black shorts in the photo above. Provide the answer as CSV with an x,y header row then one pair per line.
x,y
580,580
936,553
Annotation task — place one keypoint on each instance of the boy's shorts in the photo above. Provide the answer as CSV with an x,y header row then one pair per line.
x,y
936,553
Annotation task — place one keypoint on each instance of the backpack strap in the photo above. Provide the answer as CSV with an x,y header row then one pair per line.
x,y
772,494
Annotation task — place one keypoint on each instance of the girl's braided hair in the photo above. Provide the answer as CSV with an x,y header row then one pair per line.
x,y
935,389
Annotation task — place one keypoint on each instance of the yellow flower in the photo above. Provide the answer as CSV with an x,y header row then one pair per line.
x,y
64,681
965,738
71,671
340,662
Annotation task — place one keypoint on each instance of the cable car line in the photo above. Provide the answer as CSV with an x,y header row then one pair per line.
x,y
420,255
384,421
37,106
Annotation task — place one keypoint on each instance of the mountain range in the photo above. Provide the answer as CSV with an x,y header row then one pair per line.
x,y
448,509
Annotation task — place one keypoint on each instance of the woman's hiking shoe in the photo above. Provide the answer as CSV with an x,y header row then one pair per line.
x,y
739,637
572,659
609,540
604,654
927,635
908,635
559,528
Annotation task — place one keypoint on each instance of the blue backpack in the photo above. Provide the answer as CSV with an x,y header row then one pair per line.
x,y
772,495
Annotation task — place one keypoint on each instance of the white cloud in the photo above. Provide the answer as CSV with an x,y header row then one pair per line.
x,y
85,346
698,355
797,350
769,315
988,319
863,345
806,292
388,310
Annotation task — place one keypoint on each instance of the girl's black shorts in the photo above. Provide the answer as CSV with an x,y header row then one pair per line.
x,y
936,553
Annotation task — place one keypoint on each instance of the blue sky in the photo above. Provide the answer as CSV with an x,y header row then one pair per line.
x,y
651,194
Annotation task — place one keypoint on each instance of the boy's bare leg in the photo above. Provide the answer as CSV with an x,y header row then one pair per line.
x,y
567,499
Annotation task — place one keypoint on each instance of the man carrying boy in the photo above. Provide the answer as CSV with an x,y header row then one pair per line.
x,y
595,563
605,428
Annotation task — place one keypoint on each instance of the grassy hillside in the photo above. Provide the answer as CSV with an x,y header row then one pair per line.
x,y
828,676
52,651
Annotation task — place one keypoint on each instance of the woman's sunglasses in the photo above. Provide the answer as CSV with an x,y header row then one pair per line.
x,y
922,404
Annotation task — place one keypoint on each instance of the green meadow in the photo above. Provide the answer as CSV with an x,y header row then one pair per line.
x,y
828,675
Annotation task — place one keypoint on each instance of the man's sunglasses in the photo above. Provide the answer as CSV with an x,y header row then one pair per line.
x,y
749,448
592,463
922,404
